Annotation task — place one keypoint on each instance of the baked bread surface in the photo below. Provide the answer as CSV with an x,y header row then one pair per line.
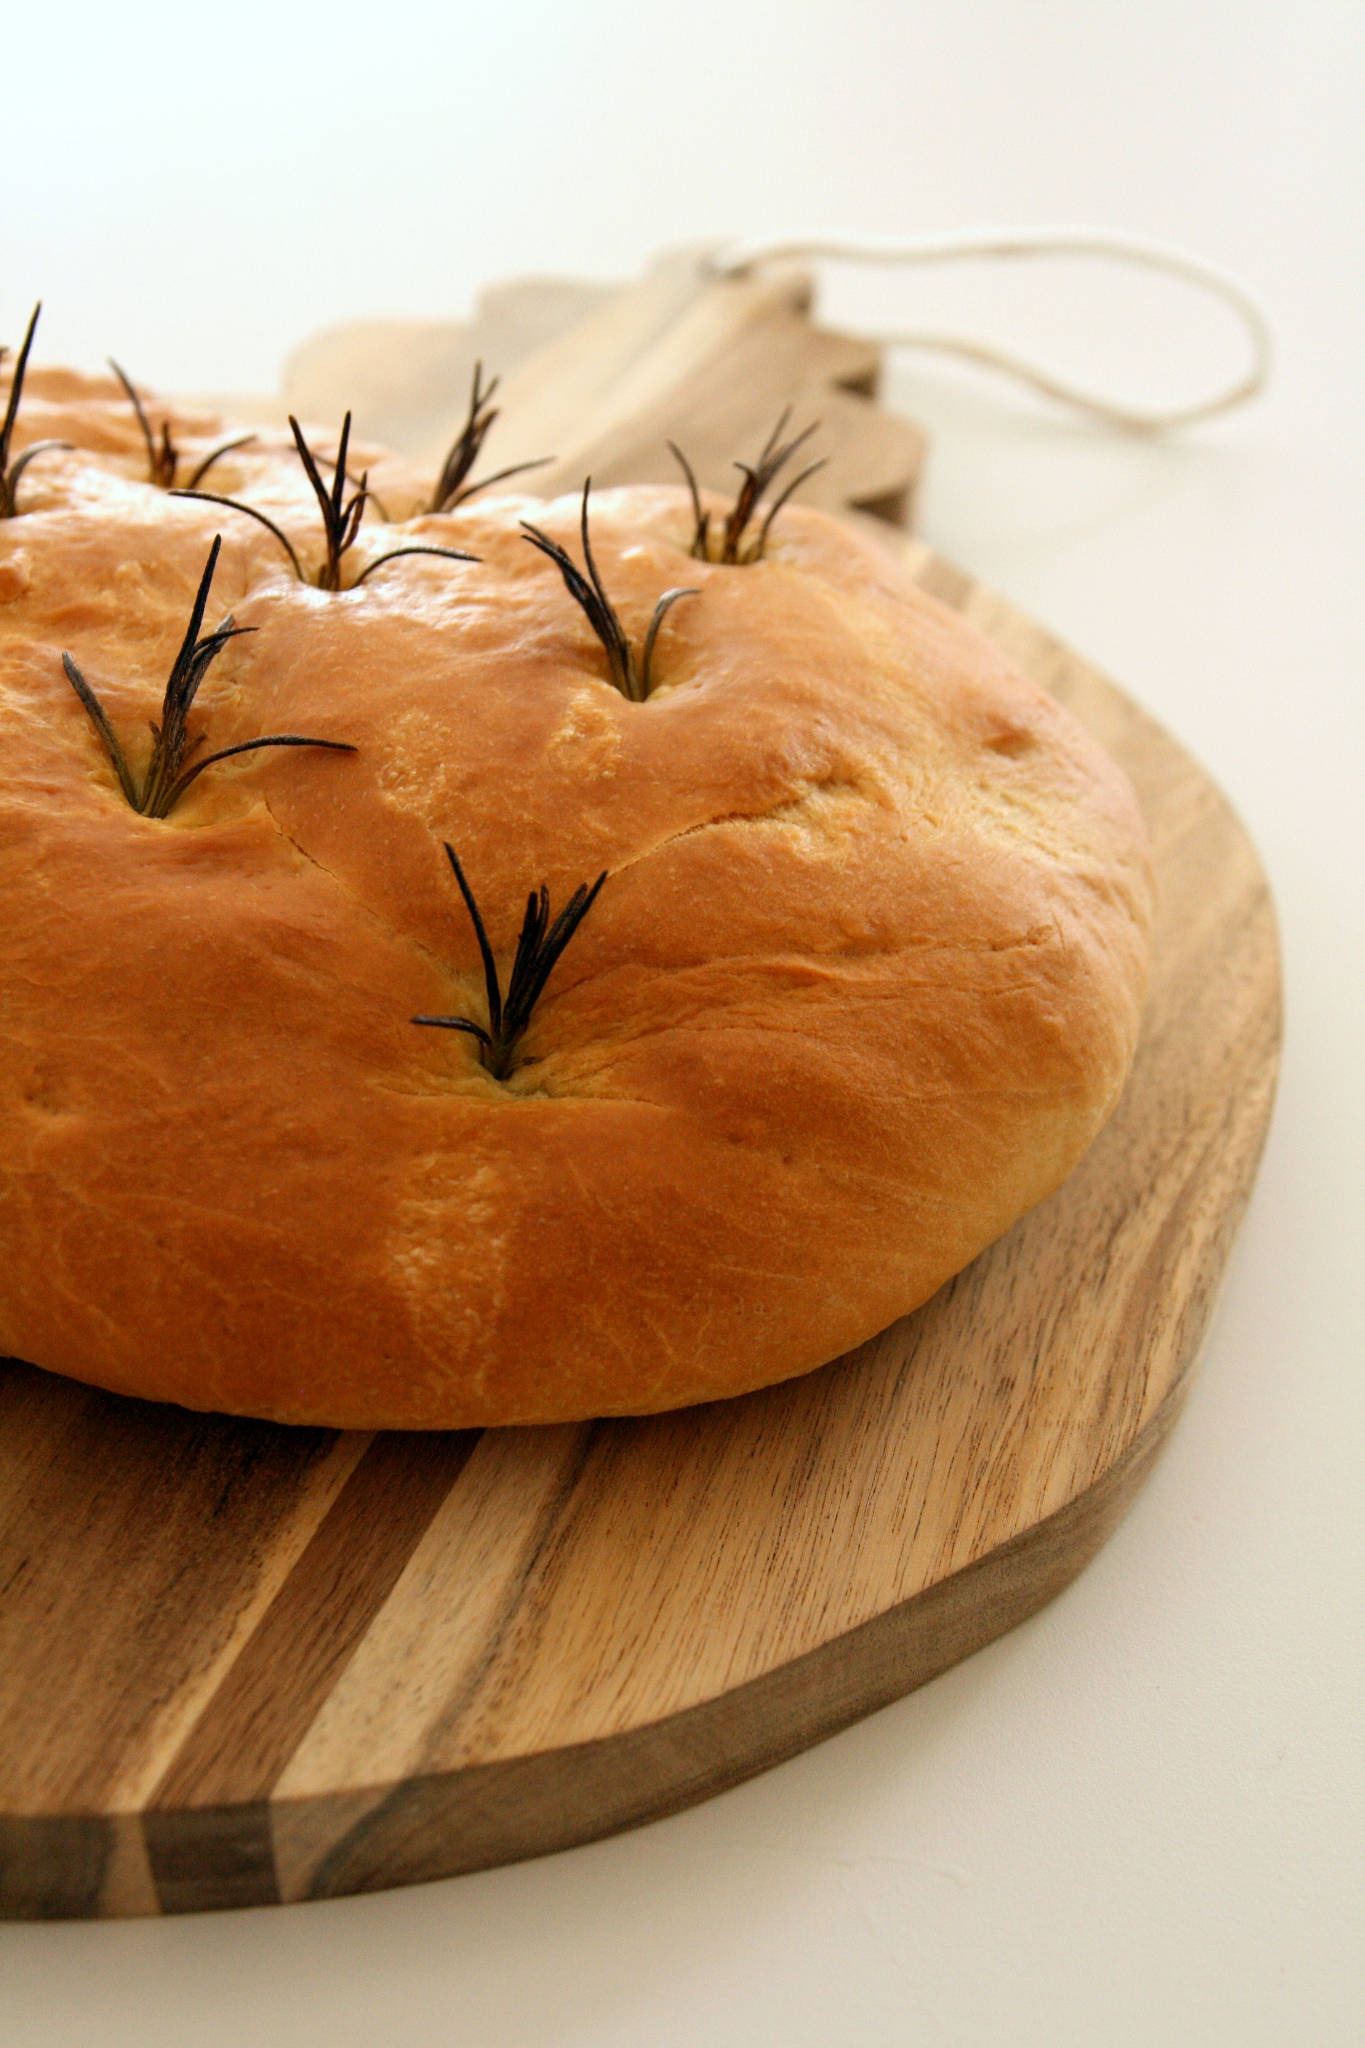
x,y
862,984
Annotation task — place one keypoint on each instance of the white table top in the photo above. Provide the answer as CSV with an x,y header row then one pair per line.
x,y
1138,1819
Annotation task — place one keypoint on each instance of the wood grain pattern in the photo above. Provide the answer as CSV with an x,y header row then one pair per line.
x,y
241,1664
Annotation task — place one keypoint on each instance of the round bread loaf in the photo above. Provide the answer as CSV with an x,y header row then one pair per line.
x,y
861,985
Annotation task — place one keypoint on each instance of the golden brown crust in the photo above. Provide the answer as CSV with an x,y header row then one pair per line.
x,y
861,987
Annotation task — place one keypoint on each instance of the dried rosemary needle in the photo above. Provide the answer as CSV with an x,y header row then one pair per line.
x,y
733,542
451,487
166,777
163,457
632,675
341,517
538,949
10,472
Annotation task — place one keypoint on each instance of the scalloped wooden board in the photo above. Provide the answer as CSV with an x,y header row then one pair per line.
x,y
241,1664
602,377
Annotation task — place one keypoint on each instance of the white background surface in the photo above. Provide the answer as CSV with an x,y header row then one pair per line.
x,y
1138,1819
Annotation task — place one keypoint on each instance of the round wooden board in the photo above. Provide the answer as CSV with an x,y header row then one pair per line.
x,y
242,1664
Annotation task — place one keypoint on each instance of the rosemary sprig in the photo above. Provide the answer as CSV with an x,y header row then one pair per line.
x,y
167,778
10,472
632,677
538,949
730,544
361,482
163,457
341,516
451,489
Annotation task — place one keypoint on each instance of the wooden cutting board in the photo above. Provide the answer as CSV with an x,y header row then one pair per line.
x,y
242,1664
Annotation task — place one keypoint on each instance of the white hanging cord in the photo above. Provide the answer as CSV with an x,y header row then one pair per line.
x,y
739,260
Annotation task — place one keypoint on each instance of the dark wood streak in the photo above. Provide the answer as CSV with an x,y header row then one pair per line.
x,y
214,1855
130,1554
52,1866
285,1670
230,1760
511,1609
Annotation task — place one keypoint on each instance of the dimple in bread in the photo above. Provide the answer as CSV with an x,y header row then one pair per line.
x,y
862,983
